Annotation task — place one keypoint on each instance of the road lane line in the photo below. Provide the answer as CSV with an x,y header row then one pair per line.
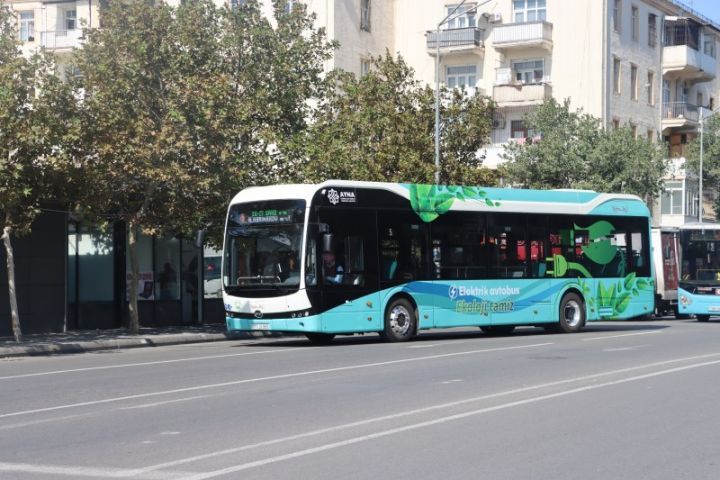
x,y
157,404
263,379
406,413
437,421
142,364
618,336
75,472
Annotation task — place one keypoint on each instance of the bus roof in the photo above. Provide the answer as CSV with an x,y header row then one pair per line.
x,y
562,201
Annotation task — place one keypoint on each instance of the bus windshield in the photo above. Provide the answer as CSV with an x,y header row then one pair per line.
x,y
262,243
701,256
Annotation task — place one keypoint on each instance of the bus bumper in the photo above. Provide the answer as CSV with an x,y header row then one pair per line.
x,y
694,304
310,323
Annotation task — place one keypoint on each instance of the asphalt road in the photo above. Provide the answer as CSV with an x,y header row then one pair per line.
x,y
622,400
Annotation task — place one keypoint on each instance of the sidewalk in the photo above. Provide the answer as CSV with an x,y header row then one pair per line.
x,y
78,341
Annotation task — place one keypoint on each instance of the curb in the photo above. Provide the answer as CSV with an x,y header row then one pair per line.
x,y
121,343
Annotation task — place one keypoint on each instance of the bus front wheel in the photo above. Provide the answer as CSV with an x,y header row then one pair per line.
x,y
703,318
572,313
400,321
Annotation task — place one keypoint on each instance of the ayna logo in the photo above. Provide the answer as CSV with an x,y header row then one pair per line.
x,y
453,292
333,196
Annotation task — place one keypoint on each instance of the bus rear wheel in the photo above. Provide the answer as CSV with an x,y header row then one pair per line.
x,y
572,313
320,338
703,318
400,321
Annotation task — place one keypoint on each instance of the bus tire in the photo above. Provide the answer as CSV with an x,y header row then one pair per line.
x,y
571,313
320,338
498,329
400,321
703,318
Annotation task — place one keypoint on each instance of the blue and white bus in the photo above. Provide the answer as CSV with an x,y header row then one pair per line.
x,y
346,257
699,283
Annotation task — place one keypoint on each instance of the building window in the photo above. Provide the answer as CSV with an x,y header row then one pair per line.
x,y
711,103
616,75
671,202
462,18
651,88
365,15
666,92
709,46
235,4
652,30
70,19
27,26
651,136
633,82
633,129
289,4
530,71
635,23
616,124
617,15
364,66
529,11
699,99
462,76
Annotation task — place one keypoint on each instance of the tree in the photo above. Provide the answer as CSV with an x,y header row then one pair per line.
x,y
711,158
381,127
36,127
573,151
185,106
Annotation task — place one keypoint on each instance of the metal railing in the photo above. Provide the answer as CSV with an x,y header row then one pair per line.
x,y
522,32
680,110
61,38
455,37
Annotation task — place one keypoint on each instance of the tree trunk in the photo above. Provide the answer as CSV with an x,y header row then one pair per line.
x,y
134,317
15,317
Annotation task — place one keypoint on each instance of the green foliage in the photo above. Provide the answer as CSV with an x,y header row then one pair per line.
x,y
184,107
711,158
381,127
37,125
575,152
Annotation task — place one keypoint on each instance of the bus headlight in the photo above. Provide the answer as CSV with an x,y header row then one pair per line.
x,y
685,300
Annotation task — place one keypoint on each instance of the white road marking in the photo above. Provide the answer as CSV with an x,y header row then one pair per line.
x,y
605,337
263,379
437,421
423,346
143,364
75,472
456,380
157,404
395,416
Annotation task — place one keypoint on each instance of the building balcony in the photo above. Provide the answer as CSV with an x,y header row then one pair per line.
x,y
680,115
523,35
683,61
460,40
521,94
61,39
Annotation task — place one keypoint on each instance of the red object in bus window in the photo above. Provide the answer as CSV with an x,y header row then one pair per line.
x,y
521,255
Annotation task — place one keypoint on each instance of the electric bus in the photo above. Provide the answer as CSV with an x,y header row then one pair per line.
x,y
699,283
347,257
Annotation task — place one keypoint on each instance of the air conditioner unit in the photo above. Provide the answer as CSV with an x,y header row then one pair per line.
x,y
495,17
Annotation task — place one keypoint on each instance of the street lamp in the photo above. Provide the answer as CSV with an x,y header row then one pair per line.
x,y
450,16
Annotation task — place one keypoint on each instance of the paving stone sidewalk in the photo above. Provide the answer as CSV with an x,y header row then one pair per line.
x,y
77,341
